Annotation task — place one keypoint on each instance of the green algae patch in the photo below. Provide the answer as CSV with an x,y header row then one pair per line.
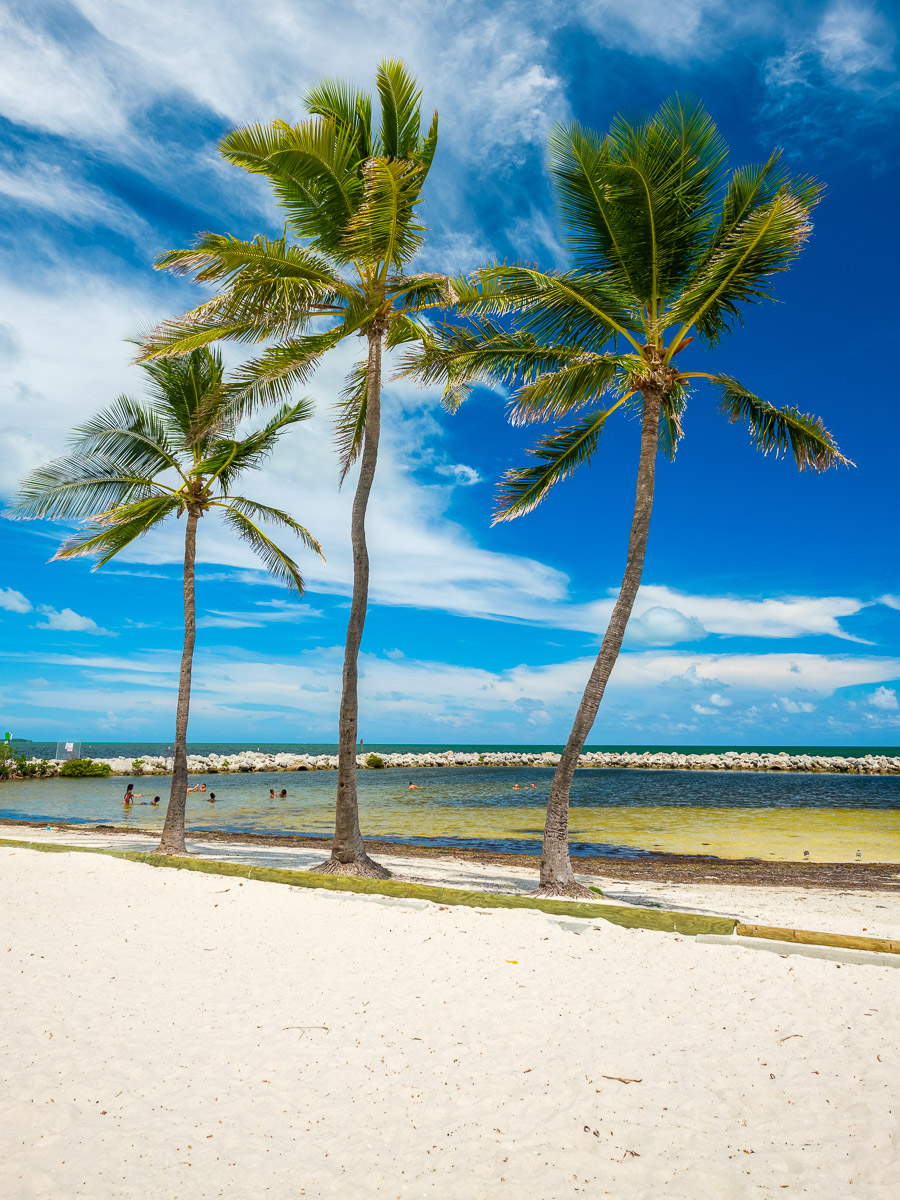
x,y
659,920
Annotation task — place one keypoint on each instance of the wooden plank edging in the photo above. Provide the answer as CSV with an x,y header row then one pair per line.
x,y
808,937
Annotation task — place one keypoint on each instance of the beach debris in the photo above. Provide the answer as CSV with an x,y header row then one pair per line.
x,y
305,1027
621,1079
789,1036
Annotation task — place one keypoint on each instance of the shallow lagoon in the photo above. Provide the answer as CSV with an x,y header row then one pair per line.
x,y
618,812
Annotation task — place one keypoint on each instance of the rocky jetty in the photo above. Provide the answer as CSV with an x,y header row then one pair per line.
x,y
731,760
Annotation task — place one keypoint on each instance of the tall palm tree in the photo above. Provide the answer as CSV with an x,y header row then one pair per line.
x,y
667,248
134,465
349,192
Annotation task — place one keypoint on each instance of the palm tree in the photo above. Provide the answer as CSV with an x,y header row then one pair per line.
x,y
666,249
134,465
349,192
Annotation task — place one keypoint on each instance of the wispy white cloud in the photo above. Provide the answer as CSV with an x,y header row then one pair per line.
x,y
14,601
68,621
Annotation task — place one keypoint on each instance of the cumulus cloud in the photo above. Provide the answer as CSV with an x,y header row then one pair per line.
x,y
884,698
660,626
14,601
68,621
720,701
797,706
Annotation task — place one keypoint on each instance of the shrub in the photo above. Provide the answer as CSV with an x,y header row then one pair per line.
x,y
374,760
78,768
137,766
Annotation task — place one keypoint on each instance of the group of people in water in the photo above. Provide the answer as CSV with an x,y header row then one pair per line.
x,y
131,795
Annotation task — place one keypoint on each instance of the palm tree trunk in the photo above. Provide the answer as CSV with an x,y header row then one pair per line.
x,y
348,851
172,840
557,876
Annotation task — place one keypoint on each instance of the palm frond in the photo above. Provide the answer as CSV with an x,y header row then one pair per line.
x,y
426,290
271,377
276,561
132,435
78,486
670,430
779,430
555,393
383,227
350,423
560,454
348,107
109,533
761,245
400,97
225,459
272,516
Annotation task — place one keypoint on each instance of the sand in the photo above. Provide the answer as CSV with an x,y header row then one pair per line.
x,y
172,1034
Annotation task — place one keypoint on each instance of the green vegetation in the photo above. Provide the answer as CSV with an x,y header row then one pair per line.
x,y
134,465
81,768
374,760
349,190
667,248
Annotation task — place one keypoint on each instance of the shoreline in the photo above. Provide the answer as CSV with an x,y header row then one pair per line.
x,y
248,761
655,868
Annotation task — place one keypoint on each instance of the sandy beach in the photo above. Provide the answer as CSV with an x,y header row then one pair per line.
x,y
172,1034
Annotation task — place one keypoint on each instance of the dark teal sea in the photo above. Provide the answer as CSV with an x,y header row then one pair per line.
x,y
137,749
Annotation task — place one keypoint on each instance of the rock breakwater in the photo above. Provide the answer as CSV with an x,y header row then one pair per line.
x,y
731,760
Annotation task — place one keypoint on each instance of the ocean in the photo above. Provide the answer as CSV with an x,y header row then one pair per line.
x,y
616,812
38,749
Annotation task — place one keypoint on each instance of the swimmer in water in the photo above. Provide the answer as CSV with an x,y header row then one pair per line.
x,y
414,787
198,787
515,787
534,785
282,794
130,794
271,793
212,797
155,800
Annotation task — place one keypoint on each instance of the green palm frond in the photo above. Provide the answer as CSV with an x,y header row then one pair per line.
x,y
350,423
222,259
426,290
400,98
779,430
109,533
383,228
279,564
671,412
225,459
189,396
272,376
561,454
553,394
272,516
348,107
761,245
131,434
571,306
76,486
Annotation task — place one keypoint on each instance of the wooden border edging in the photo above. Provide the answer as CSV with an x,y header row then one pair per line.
x,y
807,937
630,917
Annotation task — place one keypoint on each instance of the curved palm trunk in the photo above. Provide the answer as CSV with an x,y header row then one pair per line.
x,y
348,851
557,877
172,840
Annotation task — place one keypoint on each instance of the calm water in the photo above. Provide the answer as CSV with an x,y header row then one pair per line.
x,y
622,812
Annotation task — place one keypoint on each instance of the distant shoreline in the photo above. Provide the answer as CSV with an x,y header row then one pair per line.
x,y
247,761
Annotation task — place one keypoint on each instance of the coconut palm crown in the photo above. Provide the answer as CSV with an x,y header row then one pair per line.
x,y
349,188
134,465
667,247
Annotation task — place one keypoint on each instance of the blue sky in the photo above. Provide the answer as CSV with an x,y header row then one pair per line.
x,y
771,606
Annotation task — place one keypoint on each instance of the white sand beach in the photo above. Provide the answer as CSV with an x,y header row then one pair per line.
x,y
173,1034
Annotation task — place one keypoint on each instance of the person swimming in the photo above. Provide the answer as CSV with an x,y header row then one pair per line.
x,y
271,793
282,795
415,787
198,787
155,800
515,787
130,794
211,798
